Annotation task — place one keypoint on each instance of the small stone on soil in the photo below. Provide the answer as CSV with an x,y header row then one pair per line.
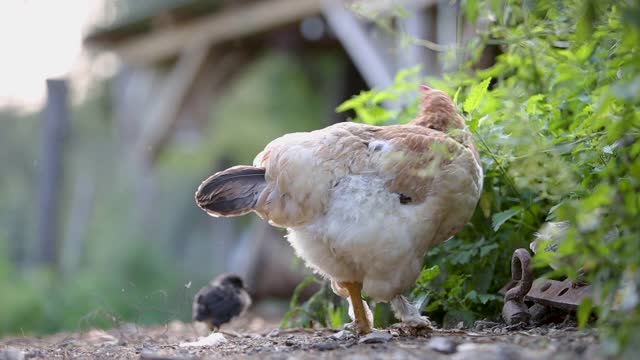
x,y
442,345
342,335
289,342
376,337
11,354
148,355
484,325
324,346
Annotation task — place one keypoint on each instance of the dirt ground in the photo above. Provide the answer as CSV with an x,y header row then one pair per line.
x,y
257,338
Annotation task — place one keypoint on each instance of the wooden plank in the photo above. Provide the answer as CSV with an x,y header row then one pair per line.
x,y
216,28
447,31
386,6
54,125
368,59
230,24
163,112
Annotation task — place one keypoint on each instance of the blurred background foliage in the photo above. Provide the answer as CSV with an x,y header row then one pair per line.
x,y
127,273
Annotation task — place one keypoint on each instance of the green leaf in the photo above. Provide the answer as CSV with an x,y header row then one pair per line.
x,y
584,311
404,74
296,293
472,296
429,274
382,96
533,102
455,96
497,220
476,94
382,315
485,298
353,103
356,102
375,115
486,249
293,307
472,10
336,315
433,306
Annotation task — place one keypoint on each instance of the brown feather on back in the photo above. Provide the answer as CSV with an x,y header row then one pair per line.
x,y
438,112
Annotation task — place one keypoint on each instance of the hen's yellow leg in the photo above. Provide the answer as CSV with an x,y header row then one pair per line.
x,y
355,293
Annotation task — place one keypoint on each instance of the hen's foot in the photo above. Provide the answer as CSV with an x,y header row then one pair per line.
x,y
412,323
361,319
414,326
358,329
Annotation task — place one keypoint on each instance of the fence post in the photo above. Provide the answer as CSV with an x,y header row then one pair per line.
x,y
50,185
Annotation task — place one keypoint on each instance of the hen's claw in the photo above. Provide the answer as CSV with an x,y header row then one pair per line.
x,y
414,326
354,328
420,322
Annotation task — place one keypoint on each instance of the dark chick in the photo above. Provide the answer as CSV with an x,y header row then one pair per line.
x,y
222,300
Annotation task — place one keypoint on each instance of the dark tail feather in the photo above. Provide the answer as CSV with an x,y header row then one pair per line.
x,y
231,192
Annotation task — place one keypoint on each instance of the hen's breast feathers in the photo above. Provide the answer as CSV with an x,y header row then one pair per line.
x,y
303,168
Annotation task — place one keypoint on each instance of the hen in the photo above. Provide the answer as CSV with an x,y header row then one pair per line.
x,y
362,204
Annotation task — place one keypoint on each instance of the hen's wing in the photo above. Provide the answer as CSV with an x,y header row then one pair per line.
x,y
301,169
417,156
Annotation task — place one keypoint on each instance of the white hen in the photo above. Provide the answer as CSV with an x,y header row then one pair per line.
x,y
362,203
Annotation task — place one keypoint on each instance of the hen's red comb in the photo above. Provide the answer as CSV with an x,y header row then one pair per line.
x,y
425,88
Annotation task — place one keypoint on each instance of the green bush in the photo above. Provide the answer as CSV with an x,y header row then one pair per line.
x,y
136,287
556,119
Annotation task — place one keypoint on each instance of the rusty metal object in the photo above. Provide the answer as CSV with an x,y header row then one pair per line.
x,y
538,313
559,294
546,294
514,310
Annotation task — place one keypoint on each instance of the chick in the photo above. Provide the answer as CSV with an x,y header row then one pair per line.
x,y
222,300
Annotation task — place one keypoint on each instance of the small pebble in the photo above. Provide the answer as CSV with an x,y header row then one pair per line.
x,y
442,345
495,351
376,337
324,346
11,354
341,335
274,333
485,325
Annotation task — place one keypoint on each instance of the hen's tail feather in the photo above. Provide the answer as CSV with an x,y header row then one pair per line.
x,y
231,192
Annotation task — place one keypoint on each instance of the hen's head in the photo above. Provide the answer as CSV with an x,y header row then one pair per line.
x,y
438,111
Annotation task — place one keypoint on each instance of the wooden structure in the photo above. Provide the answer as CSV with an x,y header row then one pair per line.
x,y
205,41
177,60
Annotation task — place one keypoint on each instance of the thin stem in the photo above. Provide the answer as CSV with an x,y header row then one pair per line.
x,y
510,181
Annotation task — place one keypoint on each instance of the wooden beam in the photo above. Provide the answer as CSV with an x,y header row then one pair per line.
x,y
447,30
55,120
368,59
218,27
386,6
163,113
230,24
